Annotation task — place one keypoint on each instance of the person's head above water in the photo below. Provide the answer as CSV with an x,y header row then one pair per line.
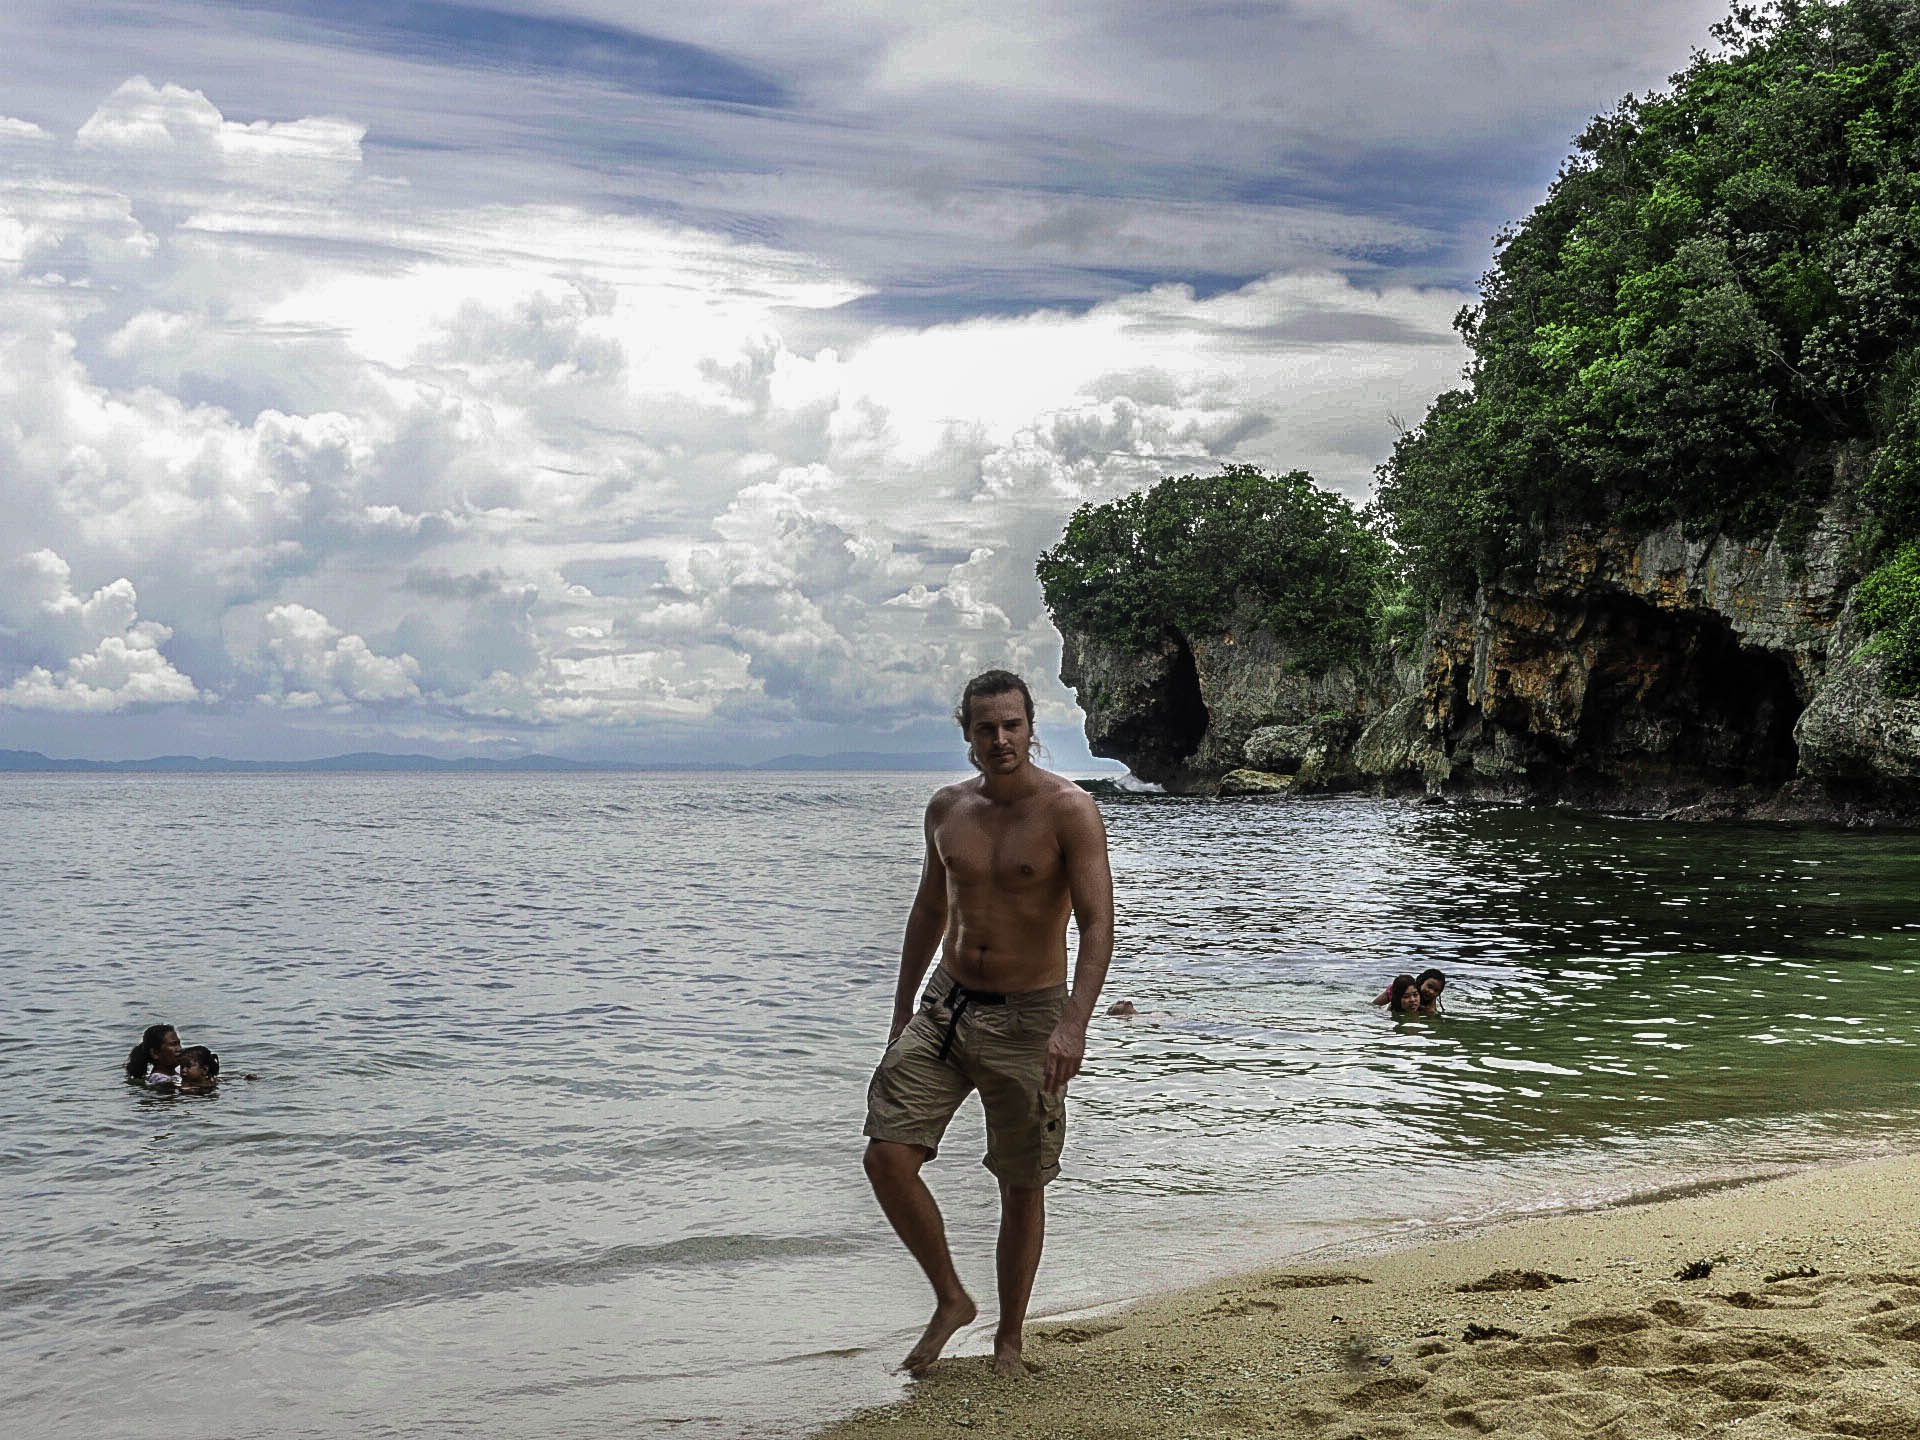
x,y
995,713
1403,993
1431,983
159,1049
198,1066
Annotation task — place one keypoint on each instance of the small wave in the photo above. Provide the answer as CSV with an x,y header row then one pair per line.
x,y
370,1293
1116,785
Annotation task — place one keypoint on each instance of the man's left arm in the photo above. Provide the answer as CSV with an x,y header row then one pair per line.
x,y
1083,843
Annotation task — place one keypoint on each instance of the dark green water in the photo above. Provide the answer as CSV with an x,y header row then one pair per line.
x,y
1680,972
1619,990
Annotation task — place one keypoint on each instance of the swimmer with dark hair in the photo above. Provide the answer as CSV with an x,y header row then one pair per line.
x,y
160,1062
155,1061
1414,994
199,1068
1401,996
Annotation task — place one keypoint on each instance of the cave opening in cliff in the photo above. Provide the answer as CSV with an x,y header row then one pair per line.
x,y
1145,711
1679,693
1184,716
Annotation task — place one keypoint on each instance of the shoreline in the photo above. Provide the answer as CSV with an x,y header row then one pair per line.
x,y
1574,1323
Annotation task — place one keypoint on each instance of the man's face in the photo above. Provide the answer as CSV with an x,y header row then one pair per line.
x,y
1000,733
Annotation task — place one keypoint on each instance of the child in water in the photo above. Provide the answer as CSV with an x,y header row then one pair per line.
x,y
160,1062
1401,996
199,1068
1414,994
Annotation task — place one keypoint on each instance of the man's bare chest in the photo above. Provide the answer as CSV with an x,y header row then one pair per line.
x,y
1008,853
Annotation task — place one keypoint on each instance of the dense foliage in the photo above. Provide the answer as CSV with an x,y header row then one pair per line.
x,y
1721,286
1889,603
1719,293
1183,555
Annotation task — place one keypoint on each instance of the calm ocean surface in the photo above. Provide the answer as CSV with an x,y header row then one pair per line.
x,y
561,1078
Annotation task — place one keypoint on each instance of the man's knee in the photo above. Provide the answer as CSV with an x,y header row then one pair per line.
x,y
890,1161
1022,1197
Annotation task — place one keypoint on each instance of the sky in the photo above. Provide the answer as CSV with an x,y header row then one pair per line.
x,y
697,382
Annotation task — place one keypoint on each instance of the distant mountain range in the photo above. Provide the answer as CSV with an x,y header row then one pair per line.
x,y
363,761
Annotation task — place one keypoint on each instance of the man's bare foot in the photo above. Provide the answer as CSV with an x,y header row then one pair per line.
x,y
1007,1363
948,1316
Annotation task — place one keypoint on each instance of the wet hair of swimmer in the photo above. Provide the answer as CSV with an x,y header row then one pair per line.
x,y
198,1065
152,1041
1426,975
1397,991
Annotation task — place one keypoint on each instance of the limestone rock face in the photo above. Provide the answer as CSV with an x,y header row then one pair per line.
x,y
1396,744
1642,672
1143,708
1853,733
1250,683
1653,672
1188,711
1254,782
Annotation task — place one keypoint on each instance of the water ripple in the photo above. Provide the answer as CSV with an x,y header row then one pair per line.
x,y
561,1077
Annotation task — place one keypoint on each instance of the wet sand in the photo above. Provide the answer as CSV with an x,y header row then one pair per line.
x,y
1805,1322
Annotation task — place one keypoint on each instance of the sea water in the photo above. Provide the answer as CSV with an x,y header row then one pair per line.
x,y
560,1078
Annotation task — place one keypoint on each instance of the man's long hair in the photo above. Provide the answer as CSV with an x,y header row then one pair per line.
x,y
989,682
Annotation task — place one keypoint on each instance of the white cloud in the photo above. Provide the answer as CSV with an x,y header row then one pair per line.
x,y
183,132
546,468
17,132
89,654
318,665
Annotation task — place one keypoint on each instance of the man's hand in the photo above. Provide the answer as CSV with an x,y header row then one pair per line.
x,y
900,1019
1065,1050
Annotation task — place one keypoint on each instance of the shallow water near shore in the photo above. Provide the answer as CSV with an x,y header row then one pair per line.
x,y
562,1076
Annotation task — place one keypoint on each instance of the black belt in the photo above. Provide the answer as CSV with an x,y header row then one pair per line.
x,y
958,997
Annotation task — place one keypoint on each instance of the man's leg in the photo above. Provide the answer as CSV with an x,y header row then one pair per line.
x,y
894,1170
1023,1229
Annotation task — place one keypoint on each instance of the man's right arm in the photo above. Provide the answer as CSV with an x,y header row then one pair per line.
x,y
926,927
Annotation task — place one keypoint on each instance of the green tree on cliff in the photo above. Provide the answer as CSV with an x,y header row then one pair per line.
x,y
1722,285
1188,553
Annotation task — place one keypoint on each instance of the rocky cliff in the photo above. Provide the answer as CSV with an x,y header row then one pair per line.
x,y
1652,672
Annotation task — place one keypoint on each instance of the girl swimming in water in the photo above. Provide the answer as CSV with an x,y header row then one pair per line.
x,y
1402,996
1410,994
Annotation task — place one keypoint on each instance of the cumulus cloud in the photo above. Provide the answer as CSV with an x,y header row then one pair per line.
x,y
183,133
21,132
558,472
69,652
315,664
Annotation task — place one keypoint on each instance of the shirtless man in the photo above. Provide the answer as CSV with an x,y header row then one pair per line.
x,y
1010,854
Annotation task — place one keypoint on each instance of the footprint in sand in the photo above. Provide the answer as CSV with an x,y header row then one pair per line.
x,y
1078,1334
1816,1355
1501,1280
1312,1282
1235,1305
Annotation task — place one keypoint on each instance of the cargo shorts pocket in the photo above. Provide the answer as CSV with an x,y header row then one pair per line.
x,y
1026,1131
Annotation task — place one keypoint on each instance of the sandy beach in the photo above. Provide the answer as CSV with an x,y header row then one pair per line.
x,y
1789,1307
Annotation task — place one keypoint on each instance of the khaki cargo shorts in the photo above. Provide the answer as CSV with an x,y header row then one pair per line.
x,y
999,1049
